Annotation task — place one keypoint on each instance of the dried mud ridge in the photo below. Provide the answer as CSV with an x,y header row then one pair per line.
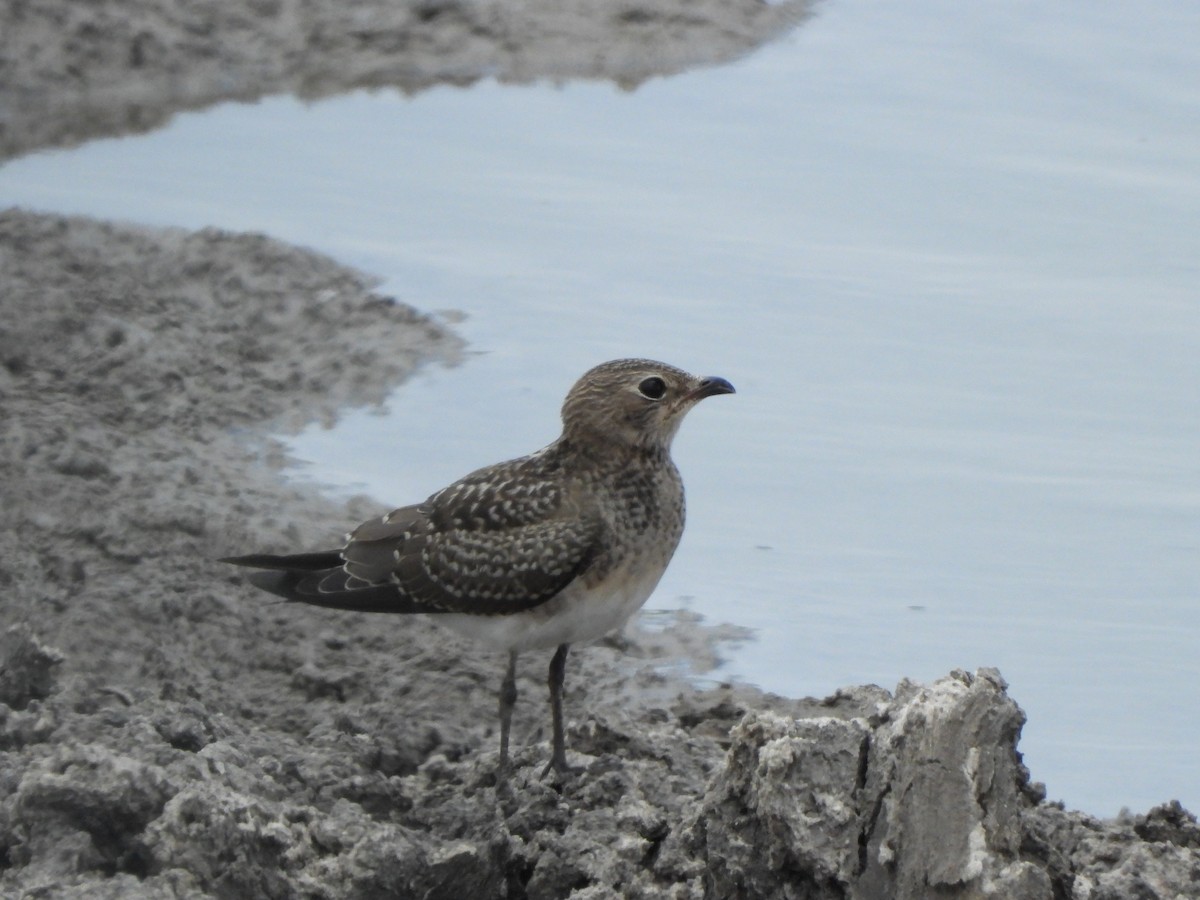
x,y
165,732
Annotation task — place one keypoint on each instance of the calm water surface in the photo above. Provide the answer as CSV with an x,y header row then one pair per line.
x,y
950,256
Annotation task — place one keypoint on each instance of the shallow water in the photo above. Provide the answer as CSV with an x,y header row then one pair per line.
x,y
947,253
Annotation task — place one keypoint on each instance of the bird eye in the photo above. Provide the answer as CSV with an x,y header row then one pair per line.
x,y
653,388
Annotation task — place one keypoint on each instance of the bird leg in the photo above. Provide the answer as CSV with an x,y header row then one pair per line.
x,y
558,669
508,699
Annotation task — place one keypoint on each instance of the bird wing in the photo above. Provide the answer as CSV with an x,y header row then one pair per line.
x,y
500,541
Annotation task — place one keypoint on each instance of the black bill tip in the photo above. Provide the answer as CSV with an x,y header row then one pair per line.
x,y
710,386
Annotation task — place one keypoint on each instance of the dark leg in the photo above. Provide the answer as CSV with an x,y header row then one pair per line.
x,y
558,669
508,699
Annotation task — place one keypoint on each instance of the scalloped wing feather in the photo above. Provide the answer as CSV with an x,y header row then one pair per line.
x,y
502,540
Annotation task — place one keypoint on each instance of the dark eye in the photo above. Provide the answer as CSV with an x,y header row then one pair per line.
x,y
653,388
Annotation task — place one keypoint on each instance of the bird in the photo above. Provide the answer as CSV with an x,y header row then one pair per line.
x,y
555,548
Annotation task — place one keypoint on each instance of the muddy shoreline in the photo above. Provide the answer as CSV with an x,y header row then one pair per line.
x,y
167,732
70,71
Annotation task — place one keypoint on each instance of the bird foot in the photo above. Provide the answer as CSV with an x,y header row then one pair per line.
x,y
561,769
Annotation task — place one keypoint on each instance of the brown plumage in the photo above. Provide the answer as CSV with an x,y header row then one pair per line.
x,y
550,549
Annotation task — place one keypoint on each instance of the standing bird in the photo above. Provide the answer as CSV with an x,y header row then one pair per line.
x,y
551,549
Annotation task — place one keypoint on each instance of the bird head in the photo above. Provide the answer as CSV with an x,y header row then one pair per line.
x,y
634,403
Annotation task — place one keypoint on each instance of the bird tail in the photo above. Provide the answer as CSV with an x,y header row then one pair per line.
x,y
299,562
318,579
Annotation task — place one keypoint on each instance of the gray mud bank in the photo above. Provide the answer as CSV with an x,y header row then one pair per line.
x,y
165,731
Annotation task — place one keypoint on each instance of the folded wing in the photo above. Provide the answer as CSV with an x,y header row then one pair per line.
x,y
500,541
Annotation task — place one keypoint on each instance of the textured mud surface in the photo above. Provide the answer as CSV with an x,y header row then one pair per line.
x,y
165,731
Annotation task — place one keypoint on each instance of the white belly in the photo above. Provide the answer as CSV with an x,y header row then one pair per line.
x,y
575,616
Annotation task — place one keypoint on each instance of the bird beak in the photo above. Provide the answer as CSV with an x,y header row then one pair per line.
x,y
710,387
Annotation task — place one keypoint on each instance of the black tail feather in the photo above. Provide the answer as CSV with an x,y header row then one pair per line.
x,y
301,562
319,580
